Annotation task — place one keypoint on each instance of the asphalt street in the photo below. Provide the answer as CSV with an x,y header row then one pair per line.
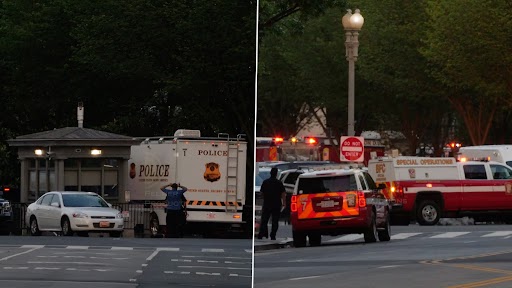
x,y
53,261
416,256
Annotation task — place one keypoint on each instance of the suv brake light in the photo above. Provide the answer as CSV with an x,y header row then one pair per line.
x,y
293,206
361,201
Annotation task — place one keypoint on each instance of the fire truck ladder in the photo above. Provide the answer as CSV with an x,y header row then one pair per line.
x,y
232,175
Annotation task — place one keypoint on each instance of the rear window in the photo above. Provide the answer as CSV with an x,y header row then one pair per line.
x,y
327,184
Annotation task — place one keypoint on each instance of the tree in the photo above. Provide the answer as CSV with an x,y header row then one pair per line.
x,y
470,55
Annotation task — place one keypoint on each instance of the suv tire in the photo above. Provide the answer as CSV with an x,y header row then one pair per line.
x,y
371,234
299,239
385,235
315,239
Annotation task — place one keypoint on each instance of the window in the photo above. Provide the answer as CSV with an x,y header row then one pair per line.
x,y
500,172
291,178
55,199
475,172
327,184
369,180
47,200
83,200
363,183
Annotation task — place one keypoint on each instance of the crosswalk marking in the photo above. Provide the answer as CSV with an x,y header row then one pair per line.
x,y
450,234
211,250
498,234
404,235
349,237
121,248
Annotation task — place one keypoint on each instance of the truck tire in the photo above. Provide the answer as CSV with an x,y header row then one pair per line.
x,y
315,239
371,234
154,226
299,239
385,235
428,213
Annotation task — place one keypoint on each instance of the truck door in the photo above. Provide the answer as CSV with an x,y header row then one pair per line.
x,y
502,185
478,190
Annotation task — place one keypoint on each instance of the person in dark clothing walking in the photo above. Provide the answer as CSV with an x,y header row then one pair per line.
x,y
175,210
274,200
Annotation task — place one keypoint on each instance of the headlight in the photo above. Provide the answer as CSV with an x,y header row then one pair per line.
x,y
119,215
79,215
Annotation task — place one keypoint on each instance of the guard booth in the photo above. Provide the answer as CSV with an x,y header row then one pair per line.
x,y
73,159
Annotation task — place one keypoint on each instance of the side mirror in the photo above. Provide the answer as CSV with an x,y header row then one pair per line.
x,y
109,205
381,186
55,204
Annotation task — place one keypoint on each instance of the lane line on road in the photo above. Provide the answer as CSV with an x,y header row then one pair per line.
x,y
211,250
238,275
121,248
350,237
498,234
211,267
177,272
403,235
78,247
388,266
208,273
167,249
77,263
34,247
450,234
303,278
483,282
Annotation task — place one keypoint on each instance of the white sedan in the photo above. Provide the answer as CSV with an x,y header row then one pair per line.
x,y
70,212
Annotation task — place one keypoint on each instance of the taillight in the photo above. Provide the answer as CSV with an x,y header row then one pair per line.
x,y
361,201
351,200
293,206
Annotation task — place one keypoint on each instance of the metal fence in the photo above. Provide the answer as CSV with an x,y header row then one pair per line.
x,y
136,218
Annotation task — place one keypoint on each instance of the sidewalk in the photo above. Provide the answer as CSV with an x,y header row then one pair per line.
x,y
283,238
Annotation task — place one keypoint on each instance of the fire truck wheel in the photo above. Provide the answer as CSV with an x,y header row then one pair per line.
x,y
385,235
299,239
428,213
371,234
315,239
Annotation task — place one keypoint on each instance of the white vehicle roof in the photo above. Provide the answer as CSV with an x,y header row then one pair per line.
x,y
328,173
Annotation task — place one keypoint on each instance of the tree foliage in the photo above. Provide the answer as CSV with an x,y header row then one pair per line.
x,y
141,68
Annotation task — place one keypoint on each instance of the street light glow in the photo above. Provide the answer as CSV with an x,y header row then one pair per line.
x,y
357,20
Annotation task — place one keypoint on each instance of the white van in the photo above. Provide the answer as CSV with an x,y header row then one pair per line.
x,y
498,153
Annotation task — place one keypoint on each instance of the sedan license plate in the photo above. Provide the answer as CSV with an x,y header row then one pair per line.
x,y
104,224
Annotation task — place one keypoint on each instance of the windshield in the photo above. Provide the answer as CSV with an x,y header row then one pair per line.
x,y
327,184
83,200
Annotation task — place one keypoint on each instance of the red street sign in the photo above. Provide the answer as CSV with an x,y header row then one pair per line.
x,y
352,149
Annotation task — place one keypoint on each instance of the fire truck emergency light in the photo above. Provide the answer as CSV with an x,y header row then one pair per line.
x,y
278,140
311,140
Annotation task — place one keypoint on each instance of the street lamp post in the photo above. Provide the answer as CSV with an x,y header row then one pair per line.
x,y
352,24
